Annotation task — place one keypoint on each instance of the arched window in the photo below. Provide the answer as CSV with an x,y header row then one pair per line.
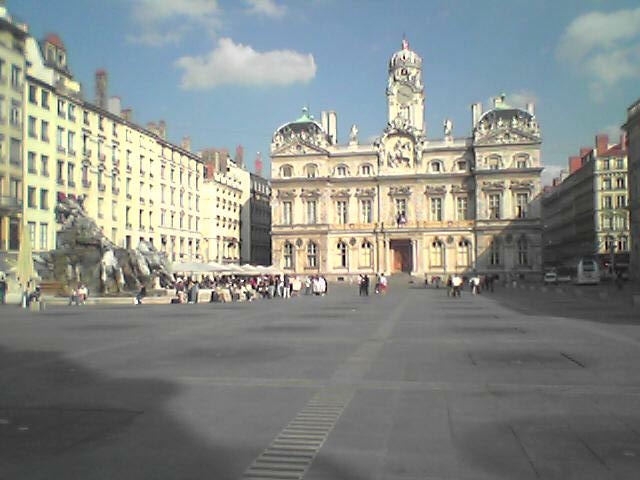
x,y
286,171
436,166
341,171
366,170
522,161
437,253
343,254
494,162
287,255
366,254
464,253
311,170
462,165
523,251
312,255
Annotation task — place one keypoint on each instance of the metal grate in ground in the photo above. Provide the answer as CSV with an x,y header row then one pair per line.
x,y
294,449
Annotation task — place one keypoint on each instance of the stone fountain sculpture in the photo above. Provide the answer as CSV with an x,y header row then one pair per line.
x,y
85,255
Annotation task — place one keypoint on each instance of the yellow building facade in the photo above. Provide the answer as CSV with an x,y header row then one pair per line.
x,y
407,202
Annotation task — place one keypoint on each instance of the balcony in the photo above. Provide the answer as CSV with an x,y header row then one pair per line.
x,y
10,204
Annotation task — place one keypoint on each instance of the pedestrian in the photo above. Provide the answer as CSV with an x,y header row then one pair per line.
x,y
475,285
383,284
140,295
456,282
366,285
4,288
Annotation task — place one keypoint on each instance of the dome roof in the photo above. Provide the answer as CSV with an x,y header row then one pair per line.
x,y
54,40
305,123
405,57
503,111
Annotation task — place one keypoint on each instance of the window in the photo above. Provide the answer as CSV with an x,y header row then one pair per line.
x,y
72,112
366,170
621,201
286,171
15,151
16,76
71,140
342,251
436,166
31,227
494,252
622,244
620,164
341,171
44,165
44,199
287,255
607,201
31,162
70,174
44,99
44,236
436,209
16,114
522,200
606,183
312,255
61,109
494,206
342,212
31,127
31,197
287,213
620,182
464,253
521,162
312,171
366,254
462,165
523,251
59,138
605,164
437,253
311,212
100,207
494,163
461,208
366,212
44,131
33,91
607,222
114,210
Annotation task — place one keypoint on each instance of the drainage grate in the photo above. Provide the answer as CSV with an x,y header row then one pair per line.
x,y
292,451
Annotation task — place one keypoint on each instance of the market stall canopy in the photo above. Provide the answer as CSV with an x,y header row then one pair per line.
x,y
191,267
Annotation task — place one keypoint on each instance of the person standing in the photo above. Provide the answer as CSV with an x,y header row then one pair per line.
x,y
383,284
3,288
365,287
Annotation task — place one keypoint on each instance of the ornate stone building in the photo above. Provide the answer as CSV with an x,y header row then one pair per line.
x,y
406,202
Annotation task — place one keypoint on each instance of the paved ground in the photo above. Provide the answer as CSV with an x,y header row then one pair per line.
x,y
518,384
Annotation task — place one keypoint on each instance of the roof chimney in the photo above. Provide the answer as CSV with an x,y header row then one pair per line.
x,y
602,143
186,143
101,88
258,164
127,114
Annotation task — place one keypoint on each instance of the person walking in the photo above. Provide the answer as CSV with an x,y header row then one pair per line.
x,y
366,285
4,288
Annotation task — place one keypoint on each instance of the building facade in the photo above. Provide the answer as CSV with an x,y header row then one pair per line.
x,y
632,129
408,203
260,221
586,215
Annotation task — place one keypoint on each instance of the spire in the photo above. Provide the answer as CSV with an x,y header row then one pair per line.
x,y
405,43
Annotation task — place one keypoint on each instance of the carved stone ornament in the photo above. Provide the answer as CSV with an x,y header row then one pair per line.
x,y
310,193
286,194
299,242
496,185
459,189
435,190
352,242
340,193
521,185
365,192
399,191
399,152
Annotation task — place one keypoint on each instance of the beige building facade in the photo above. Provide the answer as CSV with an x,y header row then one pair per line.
x,y
632,129
407,202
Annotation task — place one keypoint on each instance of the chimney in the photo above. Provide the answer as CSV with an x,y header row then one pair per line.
x,y
332,127
324,121
585,151
602,143
101,88
114,105
258,164
624,141
240,156
162,129
127,114
531,108
476,113
186,143
575,163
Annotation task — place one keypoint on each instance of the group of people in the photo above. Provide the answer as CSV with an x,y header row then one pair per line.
x,y
364,284
79,295
456,282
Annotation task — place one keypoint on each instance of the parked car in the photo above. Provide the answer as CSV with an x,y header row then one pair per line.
x,y
550,278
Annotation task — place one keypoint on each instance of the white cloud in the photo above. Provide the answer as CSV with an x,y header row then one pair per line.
x,y
606,46
520,99
549,173
236,64
160,22
267,8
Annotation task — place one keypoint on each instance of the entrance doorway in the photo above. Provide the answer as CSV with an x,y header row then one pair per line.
x,y
401,256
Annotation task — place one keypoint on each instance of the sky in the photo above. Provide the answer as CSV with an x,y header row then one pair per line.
x,y
230,72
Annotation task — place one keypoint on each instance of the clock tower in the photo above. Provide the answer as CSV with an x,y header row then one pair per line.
x,y
405,91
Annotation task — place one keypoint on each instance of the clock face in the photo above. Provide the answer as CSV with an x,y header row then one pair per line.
x,y
404,94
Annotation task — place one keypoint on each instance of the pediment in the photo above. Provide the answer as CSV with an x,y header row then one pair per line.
x,y
506,136
299,148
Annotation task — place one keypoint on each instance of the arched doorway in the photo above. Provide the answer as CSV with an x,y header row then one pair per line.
x,y
401,256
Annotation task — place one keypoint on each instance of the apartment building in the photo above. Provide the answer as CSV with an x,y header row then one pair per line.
x,y
587,213
259,245
13,67
632,129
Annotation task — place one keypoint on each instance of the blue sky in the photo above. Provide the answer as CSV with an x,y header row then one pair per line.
x,y
230,72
